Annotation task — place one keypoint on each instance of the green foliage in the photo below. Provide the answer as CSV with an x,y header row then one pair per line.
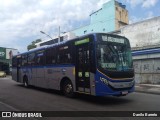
x,y
32,45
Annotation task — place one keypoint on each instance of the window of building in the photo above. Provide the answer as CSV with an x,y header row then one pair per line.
x,y
116,8
120,14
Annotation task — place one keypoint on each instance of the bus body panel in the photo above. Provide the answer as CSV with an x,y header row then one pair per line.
x,y
104,88
40,77
14,74
92,84
30,73
54,75
46,76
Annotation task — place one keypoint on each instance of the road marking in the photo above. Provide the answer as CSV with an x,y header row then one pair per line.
x,y
3,78
14,109
9,106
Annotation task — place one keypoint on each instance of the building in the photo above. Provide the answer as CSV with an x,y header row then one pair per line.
x,y
112,16
5,58
142,34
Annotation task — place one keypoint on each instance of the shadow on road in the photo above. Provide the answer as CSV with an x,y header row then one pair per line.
x,y
56,92
108,100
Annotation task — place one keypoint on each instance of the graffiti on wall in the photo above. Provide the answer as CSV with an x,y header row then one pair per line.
x,y
147,71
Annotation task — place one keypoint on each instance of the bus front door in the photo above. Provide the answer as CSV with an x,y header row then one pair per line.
x,y
83,68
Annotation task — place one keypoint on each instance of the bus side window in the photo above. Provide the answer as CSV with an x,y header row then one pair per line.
x,y
31,59
24,60
40,58
51,56
68,58
92,58
19,62
14,62
64,55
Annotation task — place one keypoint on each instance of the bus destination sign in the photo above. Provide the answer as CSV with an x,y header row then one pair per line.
x,y
112,39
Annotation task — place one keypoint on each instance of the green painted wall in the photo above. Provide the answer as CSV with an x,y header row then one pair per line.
x,y
103,20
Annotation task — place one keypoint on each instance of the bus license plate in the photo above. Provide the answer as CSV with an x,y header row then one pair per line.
x,y
124,92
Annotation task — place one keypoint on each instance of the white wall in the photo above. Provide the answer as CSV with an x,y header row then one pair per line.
x,y
10,53
143,33
147,71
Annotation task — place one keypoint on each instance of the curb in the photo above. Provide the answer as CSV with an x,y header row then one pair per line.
x,y
148,90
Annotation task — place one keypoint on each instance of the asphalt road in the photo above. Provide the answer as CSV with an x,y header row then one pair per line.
x,y
13,96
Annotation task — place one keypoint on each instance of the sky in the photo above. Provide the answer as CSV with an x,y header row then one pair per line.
x,y
22,20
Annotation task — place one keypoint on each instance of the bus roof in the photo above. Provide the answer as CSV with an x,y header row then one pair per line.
x,y
63,42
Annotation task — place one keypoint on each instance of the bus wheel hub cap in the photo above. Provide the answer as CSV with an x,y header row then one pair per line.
x,y
68,88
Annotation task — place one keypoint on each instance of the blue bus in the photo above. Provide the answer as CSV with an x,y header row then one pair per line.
x,y
97,64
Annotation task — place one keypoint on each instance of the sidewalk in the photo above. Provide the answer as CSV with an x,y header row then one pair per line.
x,y
148,88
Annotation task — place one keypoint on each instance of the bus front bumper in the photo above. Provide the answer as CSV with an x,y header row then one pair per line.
x,y
115,88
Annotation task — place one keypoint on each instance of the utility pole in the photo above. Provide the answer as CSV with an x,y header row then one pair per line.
x,y
59,37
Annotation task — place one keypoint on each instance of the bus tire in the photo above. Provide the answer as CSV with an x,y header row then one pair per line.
x,y
25,82
68,89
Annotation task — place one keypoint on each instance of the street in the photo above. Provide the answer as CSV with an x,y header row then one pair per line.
x,y
16,97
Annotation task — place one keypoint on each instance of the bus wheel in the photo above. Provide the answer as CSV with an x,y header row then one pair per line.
x,y
25,81
68,89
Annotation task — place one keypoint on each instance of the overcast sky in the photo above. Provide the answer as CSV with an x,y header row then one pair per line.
x,y
21,20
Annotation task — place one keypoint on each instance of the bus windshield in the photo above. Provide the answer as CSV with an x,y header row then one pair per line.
x,y
114,53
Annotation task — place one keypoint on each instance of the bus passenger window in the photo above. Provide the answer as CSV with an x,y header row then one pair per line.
x,y
31,59
40,58
51,56
24,60
53,60
64,57
67,58
14,62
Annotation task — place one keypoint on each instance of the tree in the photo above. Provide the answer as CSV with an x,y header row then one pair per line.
x,y
32,45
